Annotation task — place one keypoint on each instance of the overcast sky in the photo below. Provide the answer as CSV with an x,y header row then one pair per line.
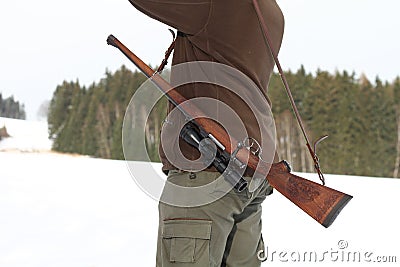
x,y
44,42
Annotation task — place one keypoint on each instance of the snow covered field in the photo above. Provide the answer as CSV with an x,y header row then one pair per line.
x,y
63,210
27,136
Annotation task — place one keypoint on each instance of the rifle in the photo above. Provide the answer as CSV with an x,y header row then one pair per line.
x,y
320,202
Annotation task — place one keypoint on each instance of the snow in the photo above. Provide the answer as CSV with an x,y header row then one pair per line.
x,y
68,210
25,135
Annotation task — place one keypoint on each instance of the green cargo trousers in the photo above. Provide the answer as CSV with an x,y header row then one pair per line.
x,y
226,232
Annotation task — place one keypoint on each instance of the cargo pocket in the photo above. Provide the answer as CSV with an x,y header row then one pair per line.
x,y
187,241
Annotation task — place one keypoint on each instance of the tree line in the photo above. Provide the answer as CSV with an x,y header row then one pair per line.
x,y
89,120
10,108
362,119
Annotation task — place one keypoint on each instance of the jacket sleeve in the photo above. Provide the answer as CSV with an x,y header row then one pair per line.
x,y
188,16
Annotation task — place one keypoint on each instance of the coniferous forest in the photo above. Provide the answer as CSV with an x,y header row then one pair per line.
x,y
361,117
9,108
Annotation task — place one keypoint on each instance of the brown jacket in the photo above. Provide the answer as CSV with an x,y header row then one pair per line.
x,y
223,31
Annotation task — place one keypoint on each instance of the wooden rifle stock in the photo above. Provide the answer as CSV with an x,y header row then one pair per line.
x,y
320,202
